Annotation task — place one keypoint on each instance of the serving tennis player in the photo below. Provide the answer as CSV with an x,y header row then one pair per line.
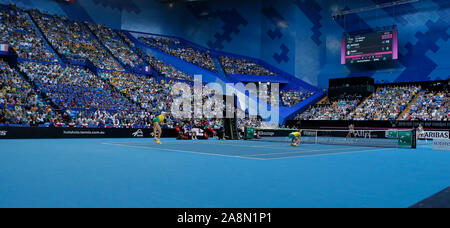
x,y
421,133
157,121
351,131
295,138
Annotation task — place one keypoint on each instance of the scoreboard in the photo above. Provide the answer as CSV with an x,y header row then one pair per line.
x,y
371,47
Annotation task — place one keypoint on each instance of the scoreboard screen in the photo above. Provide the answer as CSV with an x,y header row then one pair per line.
x,y
372,47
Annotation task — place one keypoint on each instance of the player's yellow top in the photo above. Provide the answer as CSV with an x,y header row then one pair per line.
x,y
161,118
158,119
294,135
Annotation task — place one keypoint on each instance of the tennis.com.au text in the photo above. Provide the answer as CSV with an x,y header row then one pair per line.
x,y
224,218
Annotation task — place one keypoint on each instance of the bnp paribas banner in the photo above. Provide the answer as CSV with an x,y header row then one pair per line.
x,y
435,135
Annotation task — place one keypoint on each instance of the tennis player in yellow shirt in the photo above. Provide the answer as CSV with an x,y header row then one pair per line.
x,y
295,138
157,121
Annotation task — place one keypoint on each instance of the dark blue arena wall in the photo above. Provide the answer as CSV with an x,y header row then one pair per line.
x,y
298,36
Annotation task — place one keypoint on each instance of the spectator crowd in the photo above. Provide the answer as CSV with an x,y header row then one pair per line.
x,y
43,91
16,29
72,40
112,99
113,41
385,104
20,103
430,106
185,52
167,70
73,87
160,66
338,109
149,94
291,98
243,66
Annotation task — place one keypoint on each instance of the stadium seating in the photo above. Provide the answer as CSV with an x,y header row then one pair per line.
x,y
77,92
16,30
331,110
167,70
178,49
73,87
112,95
385,104
430,106
113,41
112,99
163,69
243,67
20,103
291,98
150,94
82,41
73,41
254,122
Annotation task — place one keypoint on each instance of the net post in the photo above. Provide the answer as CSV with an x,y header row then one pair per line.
x,y
249,133
316,139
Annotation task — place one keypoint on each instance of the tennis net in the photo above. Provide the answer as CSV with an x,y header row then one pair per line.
x,y
391,138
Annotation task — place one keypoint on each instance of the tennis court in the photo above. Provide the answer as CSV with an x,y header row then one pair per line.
x,y
247,149
140,173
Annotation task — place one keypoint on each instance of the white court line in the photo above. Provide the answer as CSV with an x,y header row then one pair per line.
x,y
253,156
233,143
303,151
277,148
226,144
313,145
186,151
299,150
315,155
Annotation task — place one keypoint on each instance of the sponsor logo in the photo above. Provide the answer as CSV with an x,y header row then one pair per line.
x,y
362,134
308,133
441,144
138,133
3,133
82,132
434,135
266,133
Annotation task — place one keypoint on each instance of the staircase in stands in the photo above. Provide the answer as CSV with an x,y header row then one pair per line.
x,y
94,36
44,38
408,107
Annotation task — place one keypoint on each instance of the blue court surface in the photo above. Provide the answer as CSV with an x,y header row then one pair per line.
x,y
140,173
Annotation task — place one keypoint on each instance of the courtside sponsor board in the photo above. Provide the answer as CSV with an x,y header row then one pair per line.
x,y
441,144
434,135
265,133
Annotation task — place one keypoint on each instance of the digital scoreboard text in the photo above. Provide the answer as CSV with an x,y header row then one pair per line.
x,y
372,47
